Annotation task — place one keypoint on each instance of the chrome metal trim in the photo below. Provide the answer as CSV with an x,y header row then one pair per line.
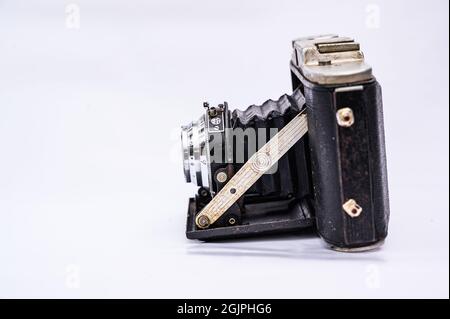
x,y
195,150
330,59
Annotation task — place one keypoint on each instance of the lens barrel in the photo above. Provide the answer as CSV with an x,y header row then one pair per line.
x,y
195,150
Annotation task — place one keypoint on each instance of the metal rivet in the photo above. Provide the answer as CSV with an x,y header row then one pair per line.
x,y
221,177
212,112
232,221
352,208
345,117
203,192
202,221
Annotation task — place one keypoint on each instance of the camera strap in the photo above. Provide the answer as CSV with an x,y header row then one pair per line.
x,y
258,164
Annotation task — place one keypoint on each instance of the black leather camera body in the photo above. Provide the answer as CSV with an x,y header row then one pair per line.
x,y
312,159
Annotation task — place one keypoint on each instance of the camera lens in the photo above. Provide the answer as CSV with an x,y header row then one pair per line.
x,y
195,150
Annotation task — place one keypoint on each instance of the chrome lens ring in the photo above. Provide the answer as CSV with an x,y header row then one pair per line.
x,y
195,150
185,152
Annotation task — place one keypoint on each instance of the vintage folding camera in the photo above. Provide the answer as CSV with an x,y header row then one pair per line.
x,y
312,159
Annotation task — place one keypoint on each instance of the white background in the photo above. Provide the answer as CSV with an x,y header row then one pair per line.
x,y
92,196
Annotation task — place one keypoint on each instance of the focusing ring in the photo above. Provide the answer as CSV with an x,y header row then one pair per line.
x,y
195,150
